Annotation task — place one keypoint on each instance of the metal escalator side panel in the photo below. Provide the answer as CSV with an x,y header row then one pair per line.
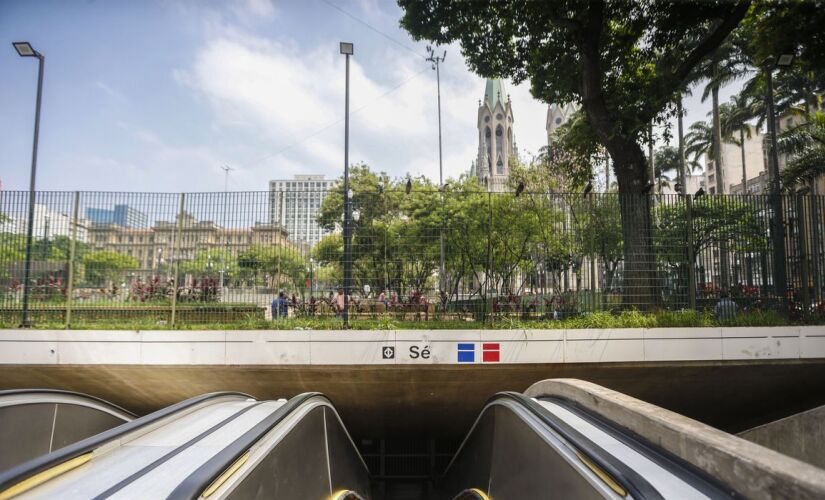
x,y
644,452
347,468
111,438
196,483
619,472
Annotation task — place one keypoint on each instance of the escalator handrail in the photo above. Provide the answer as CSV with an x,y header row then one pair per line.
x,y
687,472
198,481
620,472
61,392
43,463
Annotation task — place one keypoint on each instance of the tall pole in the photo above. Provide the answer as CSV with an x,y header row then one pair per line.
x,y
25,323
436,61
779,276
347,50
682,178
226,169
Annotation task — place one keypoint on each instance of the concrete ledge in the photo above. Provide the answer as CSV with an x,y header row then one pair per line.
x,y
403,347
752,470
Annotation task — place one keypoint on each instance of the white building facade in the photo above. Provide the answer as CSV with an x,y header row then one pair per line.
x,y
296,203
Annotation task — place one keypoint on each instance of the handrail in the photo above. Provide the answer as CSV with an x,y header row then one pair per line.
x,y
688,472
198,481
23,392
618,471
40,464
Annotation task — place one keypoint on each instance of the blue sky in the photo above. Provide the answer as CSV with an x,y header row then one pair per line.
x,y
157,95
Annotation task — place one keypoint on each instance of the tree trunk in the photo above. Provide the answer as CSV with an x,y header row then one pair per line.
x,y
720,183
640,285
744,166
682,178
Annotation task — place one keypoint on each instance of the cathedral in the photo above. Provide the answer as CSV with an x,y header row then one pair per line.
x,y
495,137
496,141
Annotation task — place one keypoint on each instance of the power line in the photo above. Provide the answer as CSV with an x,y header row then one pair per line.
x,y
373,28
336,122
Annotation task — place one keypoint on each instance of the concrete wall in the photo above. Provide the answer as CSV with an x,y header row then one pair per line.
x,y
800,436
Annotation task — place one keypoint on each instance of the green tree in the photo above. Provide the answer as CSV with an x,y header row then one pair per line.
x,y
211,262
623,61
806,146
735,117
105,266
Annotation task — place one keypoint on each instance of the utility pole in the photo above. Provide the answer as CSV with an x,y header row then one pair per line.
x,y
24,49
347,49
226,169
436,64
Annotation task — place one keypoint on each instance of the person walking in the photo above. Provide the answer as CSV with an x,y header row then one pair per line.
x,y
338,303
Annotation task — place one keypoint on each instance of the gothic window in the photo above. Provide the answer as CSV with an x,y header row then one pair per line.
x,y
499,152
499,117
486,119
489,144
558,121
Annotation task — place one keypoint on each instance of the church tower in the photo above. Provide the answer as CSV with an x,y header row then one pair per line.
x,y
557,115
495,137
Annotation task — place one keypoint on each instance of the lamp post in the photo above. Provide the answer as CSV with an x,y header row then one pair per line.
x,y
436,62
24,49
347,49
780,280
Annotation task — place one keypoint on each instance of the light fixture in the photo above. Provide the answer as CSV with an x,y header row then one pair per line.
x,y
347,48
25,49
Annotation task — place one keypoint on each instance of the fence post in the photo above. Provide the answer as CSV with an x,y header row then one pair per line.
x,y
72,240
691,259
803,253
592,256
176,257
487,296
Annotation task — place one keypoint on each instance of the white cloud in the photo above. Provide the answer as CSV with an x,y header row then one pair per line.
x,y
291,98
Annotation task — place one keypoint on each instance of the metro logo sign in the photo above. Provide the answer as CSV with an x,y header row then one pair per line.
x,y
490,352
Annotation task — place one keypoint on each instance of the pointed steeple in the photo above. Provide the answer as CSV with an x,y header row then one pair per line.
x,y
494,92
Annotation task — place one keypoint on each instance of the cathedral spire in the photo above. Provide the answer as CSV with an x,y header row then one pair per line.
x,y
495,136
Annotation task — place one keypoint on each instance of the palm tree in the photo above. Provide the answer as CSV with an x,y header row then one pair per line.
x,y
699,142
727,64
806,146
734,117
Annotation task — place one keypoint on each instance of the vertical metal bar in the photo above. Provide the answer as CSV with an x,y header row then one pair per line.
x,y
487,297
176,256
803,254
690,257
347,206
72,240
779,272
592,257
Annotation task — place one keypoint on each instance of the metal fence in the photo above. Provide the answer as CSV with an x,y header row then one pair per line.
x,y
224,257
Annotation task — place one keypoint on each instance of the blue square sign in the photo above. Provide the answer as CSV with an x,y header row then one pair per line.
x,y
466,353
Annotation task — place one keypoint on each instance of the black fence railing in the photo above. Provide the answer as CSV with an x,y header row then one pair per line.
x,y
224,257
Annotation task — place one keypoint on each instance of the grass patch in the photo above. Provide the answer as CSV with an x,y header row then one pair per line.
x,y
599,320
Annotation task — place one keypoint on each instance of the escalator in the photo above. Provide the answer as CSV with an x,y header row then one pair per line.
x,y
522,447
219,445
561,439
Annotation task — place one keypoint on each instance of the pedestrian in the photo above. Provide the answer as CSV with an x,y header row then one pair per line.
x,y
279,307
338,303
726,308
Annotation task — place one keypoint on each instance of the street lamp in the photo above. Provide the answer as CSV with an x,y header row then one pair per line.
x,y
347,49
24,49
780,280
436,64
